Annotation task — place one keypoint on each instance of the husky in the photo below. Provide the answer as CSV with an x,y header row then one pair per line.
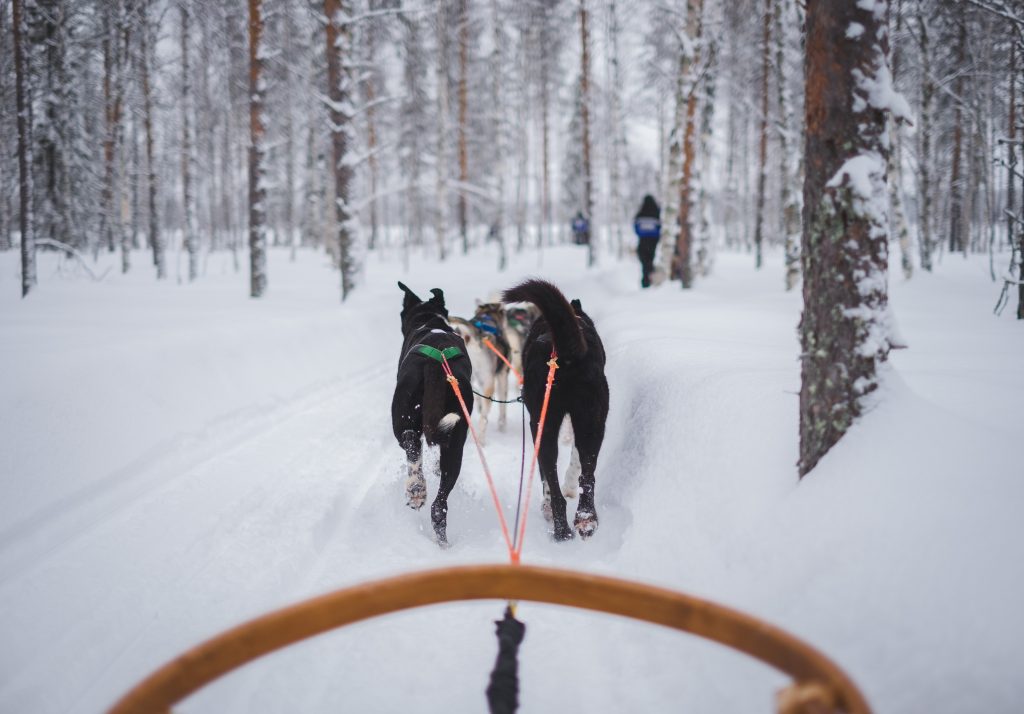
x,y
579,392
490,372
425,405
519,318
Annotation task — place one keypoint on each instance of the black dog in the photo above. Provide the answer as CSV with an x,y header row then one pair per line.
x,y
425,404
580,391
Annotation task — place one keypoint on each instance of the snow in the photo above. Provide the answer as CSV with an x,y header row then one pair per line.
x,y
177,459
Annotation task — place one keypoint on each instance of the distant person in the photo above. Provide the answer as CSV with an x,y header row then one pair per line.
x,y
580,229
647,225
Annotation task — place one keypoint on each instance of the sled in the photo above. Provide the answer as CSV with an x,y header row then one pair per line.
x,y
819,686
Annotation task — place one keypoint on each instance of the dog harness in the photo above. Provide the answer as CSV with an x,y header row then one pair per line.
x,y
488,326
436,354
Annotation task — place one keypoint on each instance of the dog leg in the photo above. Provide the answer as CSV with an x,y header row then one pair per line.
x,y
485,409
589,429
415,484
547,459
503,396
451,465
571,482
545,504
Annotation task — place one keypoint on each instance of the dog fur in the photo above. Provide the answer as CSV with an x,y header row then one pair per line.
x,y
519,318
490,374
580,392
425,405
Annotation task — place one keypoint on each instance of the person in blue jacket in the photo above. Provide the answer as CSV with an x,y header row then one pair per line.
x,y
647,225
580,229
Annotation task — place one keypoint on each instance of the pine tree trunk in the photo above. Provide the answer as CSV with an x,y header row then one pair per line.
x,y
155,239
762,155
588,180
442,135
339,51
22,92
463,100
498,107
371,139
544,230
257,190
924,157
687,189
843,326
788,176
615,130
188,222
957,240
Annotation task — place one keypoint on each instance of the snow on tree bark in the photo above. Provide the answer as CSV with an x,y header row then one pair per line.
x,y
257,189
187,202
441,217
762,154
588,179
687,190
22,93
463,96
339,88
145,60
789,199
843,329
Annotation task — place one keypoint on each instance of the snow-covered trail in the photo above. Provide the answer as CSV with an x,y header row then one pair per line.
x,y
239,458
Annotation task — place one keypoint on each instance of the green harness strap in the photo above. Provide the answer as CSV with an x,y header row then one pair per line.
x,y
436,354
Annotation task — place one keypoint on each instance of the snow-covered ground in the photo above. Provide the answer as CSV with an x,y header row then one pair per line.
x,y
177,459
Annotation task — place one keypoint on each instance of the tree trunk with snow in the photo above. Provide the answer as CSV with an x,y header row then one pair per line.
x,y
789,199
257,189
898,220
463,92
339,93
22,101
843,328
957,240
145,60
616,135
762,154
441,217
588,179
924,134
187,160
687,190
500,127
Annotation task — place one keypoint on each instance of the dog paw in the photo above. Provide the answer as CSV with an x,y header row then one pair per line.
x,y
585,523
563,532
416,491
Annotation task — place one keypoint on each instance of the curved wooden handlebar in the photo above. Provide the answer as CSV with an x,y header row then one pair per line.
x,y
231,649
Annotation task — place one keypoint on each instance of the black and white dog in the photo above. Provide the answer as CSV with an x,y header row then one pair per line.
x,y
490,373
580,391
425,405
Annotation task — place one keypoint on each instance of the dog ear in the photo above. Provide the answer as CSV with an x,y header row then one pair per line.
x,y
438,300
577,306
411,298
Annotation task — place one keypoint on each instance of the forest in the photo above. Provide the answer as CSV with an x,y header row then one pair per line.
x,y
148,126
811,363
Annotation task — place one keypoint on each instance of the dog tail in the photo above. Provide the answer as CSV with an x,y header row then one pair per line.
x,y
559,314
438,421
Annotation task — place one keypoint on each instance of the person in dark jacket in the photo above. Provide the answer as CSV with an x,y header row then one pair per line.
x,y
580,229
647,225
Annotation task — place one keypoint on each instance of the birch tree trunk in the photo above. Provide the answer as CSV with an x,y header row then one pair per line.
x,y
441,218
22,101
257,189
843,329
